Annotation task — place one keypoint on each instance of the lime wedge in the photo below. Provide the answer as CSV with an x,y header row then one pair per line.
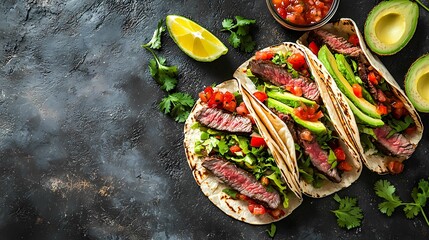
x,y
196,41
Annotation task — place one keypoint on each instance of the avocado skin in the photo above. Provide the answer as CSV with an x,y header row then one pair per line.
x,y
410,12
328,60
411,84
315,127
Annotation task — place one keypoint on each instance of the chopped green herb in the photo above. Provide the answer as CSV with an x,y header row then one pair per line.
x,y
349,215
272,230
177,105
240,33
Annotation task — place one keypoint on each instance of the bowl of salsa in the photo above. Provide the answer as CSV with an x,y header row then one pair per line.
x,y
302,15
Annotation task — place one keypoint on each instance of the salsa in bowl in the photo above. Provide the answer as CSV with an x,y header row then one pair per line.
x,y
302,15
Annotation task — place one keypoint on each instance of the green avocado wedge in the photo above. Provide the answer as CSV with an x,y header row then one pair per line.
x,y
328,60
417,83
390,26
315,127
289,98
363,118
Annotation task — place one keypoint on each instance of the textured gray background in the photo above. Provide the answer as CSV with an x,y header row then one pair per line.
x,y
86,154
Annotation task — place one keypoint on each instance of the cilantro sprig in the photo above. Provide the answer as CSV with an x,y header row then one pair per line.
x,y
164,75
384,189
349,215
240,33
177,105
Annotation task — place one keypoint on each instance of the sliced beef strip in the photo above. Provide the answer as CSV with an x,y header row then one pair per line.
x,y
395,145
363,74
319,159
279,76
223,121
242,181
334,42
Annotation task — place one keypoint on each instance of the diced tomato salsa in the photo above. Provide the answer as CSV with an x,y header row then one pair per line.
x,y
302,12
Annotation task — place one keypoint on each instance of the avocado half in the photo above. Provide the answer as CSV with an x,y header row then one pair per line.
x,y
417,83
390,26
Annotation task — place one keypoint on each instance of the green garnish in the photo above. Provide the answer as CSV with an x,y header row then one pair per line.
x,y
349,215
240,33
177,105
272,230
420,194
155,42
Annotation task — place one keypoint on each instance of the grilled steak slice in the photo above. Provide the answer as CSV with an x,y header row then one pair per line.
x,y
396,145
319,159
336,43
363,74
242,181
279,76
223,121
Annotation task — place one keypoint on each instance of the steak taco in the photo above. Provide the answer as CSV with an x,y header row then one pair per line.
x,y
384,126
233,159
283,85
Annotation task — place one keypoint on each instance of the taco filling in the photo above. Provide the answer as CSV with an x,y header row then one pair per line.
x,y
384,123
285,85
232,149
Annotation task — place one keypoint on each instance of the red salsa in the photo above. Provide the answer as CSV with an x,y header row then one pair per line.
x,y
302,12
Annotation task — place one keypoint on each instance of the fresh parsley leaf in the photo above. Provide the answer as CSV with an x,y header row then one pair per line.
x,y
155,42
420,194
349,215
241,21
240,33
386,190
272,230
177,105
164,75
227,23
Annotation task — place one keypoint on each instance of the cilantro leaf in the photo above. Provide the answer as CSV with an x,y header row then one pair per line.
x,y
164,75
349,215
155,42
241,21
227,23
240,33
386,190
177,105
399,125
272,230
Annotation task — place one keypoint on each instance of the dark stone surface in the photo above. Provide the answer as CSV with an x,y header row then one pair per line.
x,y
86,154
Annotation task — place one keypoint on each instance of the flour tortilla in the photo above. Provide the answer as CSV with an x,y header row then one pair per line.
x,y
375,162
212,187
282,136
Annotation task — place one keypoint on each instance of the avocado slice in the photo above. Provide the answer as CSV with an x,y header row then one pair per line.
x,y
348,73
390,26
363,118
315,127
328,60
289,98
417,83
